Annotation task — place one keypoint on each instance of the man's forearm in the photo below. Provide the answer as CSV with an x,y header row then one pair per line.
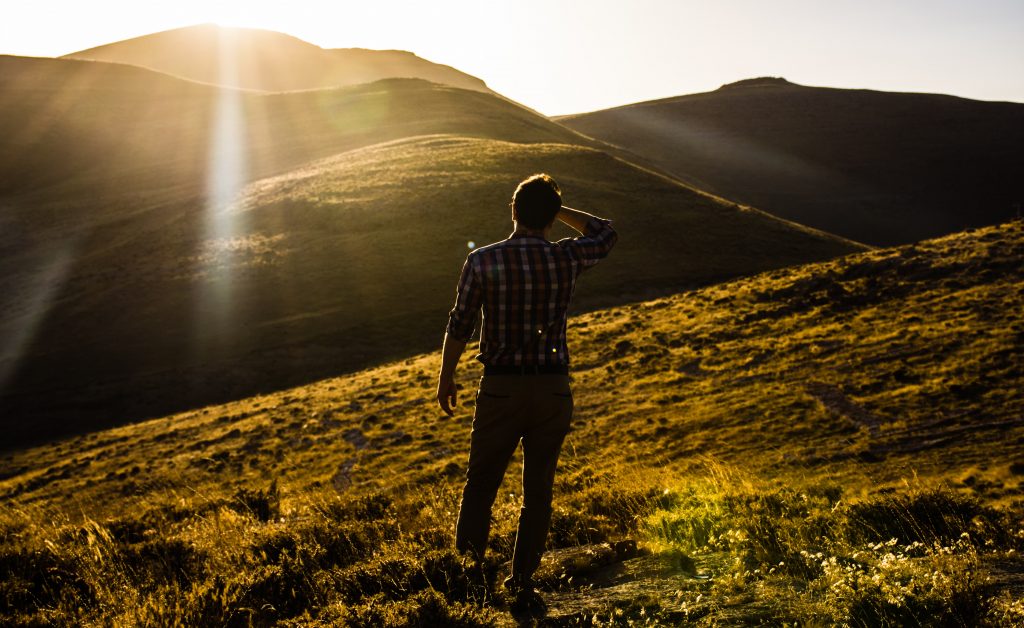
x,y
450,354
574,218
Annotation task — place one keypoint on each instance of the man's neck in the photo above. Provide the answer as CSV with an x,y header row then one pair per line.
x,y
519,231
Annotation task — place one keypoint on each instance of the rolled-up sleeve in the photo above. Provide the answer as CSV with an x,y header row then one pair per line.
x,y
594,245
462,317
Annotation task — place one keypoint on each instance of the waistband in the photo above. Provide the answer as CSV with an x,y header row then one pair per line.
x,y
538,369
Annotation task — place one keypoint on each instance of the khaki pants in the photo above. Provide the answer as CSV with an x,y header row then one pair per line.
x,y
534,409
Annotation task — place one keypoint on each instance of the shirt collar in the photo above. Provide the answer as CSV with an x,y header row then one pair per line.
x,y
519,236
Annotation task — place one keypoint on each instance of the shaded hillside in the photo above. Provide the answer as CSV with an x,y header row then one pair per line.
x,y
834,442
268,61
876,167
106,167
332,267
81,131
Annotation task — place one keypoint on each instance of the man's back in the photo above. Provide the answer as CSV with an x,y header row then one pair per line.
x,y
524,285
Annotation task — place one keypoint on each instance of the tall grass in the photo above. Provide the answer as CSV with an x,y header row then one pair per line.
x,y
749,548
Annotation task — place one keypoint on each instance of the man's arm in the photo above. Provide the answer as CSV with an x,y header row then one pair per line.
x,y
461,320
574,218
596,239
446,390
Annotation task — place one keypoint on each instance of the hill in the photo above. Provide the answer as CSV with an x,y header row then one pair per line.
x,y
82,127
268,61
837,442
170,244
342,264
877,167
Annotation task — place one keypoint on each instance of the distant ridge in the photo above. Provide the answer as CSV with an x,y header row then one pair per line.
x,y
760,81
268,61
878,167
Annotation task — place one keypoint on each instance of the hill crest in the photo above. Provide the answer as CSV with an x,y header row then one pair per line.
x,y
813,154
267,60
761,81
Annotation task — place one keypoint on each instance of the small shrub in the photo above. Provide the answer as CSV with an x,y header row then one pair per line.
x,y
1005,610
41,578
928,516
264,505
388,578
373,507
570,528
271,544
341,545
215,602
458,579
281,590
128,530
623,508
426,609
160,561
885,585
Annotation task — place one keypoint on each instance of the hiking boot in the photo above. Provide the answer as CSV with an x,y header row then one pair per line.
x,y
526,601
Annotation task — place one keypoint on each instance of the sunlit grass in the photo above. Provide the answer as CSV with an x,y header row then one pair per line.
x,y
770,450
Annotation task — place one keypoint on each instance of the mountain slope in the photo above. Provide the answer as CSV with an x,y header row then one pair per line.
x,y
268,61
864,411
905,356
876,167
87,128
335,266
135,283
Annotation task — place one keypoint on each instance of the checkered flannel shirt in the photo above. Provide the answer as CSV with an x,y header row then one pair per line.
x,y
524,285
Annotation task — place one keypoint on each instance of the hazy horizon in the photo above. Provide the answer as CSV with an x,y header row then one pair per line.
x,y
564,57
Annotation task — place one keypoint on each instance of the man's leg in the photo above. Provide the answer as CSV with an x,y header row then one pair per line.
x,y
541,446
493,441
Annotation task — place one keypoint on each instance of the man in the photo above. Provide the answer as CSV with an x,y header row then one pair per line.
x,y
523,284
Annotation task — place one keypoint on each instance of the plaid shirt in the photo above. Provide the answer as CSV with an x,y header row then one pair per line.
x,y
524,285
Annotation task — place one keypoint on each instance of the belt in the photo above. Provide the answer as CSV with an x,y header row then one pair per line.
x,y
538,369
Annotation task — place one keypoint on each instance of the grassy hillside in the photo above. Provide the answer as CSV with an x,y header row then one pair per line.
x,y
346,262
268,61
831,443
131,290
876,167
82,133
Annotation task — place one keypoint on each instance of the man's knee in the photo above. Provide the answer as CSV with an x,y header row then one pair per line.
x,y
482,483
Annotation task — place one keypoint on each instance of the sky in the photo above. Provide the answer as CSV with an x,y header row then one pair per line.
x,y
571,56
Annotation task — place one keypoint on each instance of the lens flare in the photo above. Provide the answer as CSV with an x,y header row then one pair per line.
x,y
227,171
43,286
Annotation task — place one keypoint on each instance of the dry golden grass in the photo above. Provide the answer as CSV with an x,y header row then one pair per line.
x,y
838,442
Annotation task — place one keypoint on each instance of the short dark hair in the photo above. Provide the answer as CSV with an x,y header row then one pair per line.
x,y
536,201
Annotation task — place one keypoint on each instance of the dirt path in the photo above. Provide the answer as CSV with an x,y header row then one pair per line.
x,y
579,582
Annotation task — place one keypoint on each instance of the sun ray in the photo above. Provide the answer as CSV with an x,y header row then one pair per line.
x,y
227,171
